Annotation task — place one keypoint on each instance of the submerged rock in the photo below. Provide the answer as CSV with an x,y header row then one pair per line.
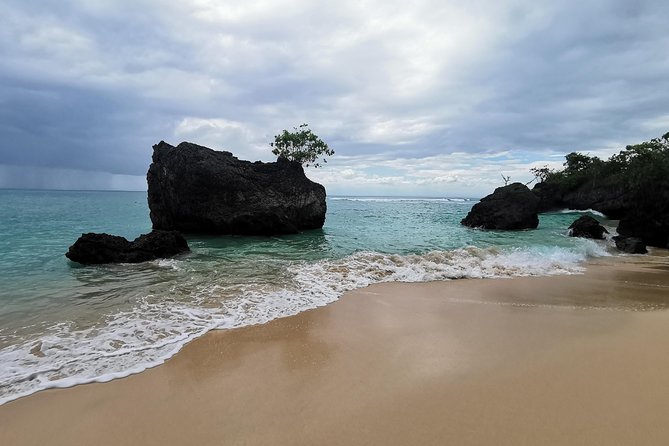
x,y
587,227
630,245
93,248
510,207
196,189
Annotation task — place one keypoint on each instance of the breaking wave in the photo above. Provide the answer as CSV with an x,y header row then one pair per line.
x,y
157,327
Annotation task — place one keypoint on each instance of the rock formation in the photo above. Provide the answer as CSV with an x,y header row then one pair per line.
x,y
648,218
643,213
631,245
509,207
198,190
610,199
587,227
92,248
652,229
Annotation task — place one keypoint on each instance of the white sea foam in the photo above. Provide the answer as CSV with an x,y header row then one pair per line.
x,y
404,199
582,211
131,341
169,263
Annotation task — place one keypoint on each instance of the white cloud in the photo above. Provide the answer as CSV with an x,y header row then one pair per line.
x,y
457,174
440,93
221,134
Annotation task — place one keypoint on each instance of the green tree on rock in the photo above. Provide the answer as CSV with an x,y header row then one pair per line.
x,y
302,146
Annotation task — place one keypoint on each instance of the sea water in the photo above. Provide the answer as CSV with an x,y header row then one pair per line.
x,y
62,323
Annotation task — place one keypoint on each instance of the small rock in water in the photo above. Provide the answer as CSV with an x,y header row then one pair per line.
x,y
95,248
587,227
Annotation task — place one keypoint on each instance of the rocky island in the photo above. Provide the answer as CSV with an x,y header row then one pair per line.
x,y
195,189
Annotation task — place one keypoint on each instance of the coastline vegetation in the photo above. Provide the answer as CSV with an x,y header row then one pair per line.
x,y
635,167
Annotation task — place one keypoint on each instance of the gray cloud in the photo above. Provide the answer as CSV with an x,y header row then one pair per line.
x,y
91,86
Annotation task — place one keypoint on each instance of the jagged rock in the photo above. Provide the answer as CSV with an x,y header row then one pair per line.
x,y
648,219
550,197
631,245
92,248
607,197
587,227
510,207
198,190
652,229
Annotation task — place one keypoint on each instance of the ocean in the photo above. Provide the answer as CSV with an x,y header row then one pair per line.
x,y
63,324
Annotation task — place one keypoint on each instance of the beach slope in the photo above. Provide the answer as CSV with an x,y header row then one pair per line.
x,y
565,360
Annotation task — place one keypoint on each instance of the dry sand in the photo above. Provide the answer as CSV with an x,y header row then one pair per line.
x,y
537,361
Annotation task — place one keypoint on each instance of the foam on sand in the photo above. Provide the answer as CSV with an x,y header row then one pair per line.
x,y
154,330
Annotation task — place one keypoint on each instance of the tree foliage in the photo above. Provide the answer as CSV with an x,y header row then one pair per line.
x,y
636,166
542,174
302,146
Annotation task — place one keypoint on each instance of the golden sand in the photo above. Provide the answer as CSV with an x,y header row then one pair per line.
x,y
528,361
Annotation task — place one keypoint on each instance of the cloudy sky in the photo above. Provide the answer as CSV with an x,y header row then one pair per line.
x,y
425,97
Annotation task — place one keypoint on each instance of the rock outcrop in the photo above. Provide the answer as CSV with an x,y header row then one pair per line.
x,y
587,227
643,213
648,219
631,245
195,189
93,248
652,229
610,199
510,207
631,186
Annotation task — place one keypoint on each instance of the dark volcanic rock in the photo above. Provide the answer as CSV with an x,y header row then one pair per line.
x,y
643,211
509,207
608,198
550,197
648,218
199,190
95,248
651,227
631,245
587,227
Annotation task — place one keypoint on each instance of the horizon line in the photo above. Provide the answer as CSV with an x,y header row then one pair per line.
x,y
144,190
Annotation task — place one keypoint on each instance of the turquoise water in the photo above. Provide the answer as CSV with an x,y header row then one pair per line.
x,y
63,324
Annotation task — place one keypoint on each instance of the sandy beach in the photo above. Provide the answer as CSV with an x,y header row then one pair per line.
x,y
563,360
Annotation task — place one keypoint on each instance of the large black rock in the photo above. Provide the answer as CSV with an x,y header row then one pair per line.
x,y
198,190
648,219
608,197
92,248
510,207
587,227
631,245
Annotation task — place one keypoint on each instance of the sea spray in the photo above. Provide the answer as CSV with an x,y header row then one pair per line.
x,y
131,341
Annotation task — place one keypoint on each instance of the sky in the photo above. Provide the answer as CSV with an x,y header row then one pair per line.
x,y
431,98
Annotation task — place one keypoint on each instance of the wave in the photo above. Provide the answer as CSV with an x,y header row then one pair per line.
x,y
154,330
582,211
405,199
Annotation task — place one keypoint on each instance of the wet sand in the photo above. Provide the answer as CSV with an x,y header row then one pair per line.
x,y
562,360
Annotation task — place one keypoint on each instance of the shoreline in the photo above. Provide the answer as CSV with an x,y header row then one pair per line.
x,y
440,345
